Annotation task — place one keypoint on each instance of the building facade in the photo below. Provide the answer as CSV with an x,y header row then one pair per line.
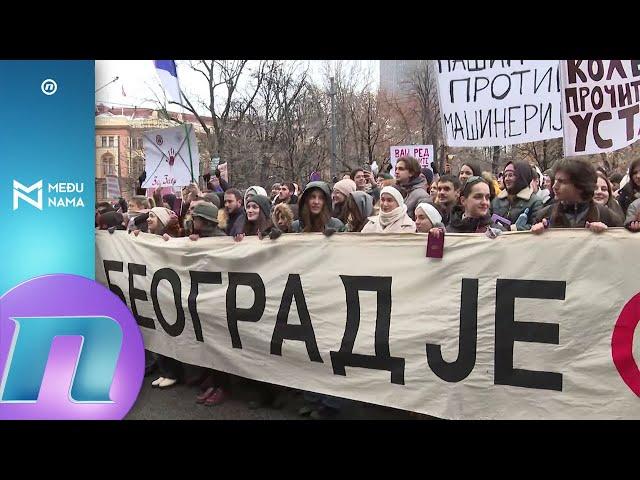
x,y
396,75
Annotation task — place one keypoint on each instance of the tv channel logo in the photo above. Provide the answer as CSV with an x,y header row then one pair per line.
x,y
59,194
20,192
69,349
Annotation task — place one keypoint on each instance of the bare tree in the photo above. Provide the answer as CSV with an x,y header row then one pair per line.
x,y
427,106
225,102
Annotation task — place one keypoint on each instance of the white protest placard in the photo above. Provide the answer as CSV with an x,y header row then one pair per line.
x,y
113,186
485,103
453,337
422,153
171,157
601,102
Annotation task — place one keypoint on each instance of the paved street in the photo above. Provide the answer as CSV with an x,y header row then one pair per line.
x,y
178,403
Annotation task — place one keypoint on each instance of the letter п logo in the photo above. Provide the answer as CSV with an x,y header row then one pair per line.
x,y
69,349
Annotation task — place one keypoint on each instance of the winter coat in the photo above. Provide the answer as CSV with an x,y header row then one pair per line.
x,y
632,212
416,193
627,195
235,223
576,215
511,211
285,212
404,225
615,210
458,224
445,212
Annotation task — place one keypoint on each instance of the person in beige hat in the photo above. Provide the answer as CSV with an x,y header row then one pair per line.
x,y
339,195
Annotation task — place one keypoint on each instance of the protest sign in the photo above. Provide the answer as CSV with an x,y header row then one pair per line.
x,y
453,337
113,186
422,153
171,157
499,102
601,102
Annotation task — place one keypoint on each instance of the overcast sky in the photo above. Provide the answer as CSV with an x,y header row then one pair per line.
x,y
139,81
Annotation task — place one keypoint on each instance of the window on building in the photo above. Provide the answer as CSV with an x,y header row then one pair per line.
x,y
111,142
104,142
108,164
137,167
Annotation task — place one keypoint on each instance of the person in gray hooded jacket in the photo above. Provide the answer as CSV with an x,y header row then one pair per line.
x,y
357,209
314,208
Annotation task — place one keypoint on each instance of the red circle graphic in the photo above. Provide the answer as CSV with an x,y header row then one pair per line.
x,y
622,344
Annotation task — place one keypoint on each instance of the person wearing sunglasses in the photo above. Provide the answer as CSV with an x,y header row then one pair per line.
x,y
517,197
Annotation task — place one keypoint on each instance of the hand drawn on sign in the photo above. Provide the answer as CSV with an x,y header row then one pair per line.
x,y
164,156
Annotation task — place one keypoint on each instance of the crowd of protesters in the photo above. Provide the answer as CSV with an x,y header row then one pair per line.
x,y
572,195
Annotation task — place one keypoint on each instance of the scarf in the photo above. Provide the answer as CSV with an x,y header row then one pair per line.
x,y
386,219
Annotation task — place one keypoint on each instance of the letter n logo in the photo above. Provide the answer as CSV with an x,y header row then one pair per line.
x,y
18,190
30,356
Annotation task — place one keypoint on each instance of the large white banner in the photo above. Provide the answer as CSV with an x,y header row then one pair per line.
x,y
499,102
171,157
601,105
487,332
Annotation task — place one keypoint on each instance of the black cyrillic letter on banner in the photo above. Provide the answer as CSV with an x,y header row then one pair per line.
x,y
196,279
462,367
303,332
110,265
137,294
382,360
176,287
235,314
508,331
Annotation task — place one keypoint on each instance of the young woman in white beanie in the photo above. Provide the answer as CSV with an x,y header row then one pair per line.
x,y
392,217
427,217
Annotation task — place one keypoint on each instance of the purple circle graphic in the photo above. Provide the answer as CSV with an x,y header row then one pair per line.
x,y
69,297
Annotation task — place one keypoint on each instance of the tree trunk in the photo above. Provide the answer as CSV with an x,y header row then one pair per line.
x,y
495,160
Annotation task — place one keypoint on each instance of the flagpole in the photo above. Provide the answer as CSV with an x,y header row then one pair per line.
x,y
189,146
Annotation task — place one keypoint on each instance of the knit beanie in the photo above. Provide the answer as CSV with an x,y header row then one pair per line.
x,y
395,193
264,203
345,186
431,212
